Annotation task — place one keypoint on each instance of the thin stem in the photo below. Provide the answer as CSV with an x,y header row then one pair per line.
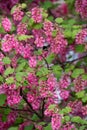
x,y
46,62
43,104
14,109
25,99
2,52
80,58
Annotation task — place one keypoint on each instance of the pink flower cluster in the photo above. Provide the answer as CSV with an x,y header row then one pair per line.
x,y
17,14
64,94
61,10
81,6
51,83
32,62
56,121
81,37
75,105
64,82
36,14
32,79
6,23
33,99
79,84
39,41
13,97
21,29
48,28
58,44
9,42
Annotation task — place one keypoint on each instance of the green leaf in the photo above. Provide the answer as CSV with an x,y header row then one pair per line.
x,y
30,127
24,37
69,68
77,72
18,121
71,22
38,52
38,26
67,118
31,22
84,98
80,48
7,111
25,83
76,119
10,80
21,104
35,117
84,76
50,58
65,110
13,128
1,29
80,94
25,19
76,26
4,118
8,71
46,5
57,70
29,69
19,76
24,6
83,122
42,123
51,18
68,33
2,99
48,127
59,20
44,14
82,128
6,60
13,9
54,33
1,78
20,67
74,32
42,71
51,107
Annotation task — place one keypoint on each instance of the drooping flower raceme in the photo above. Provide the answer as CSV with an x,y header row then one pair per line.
x,y
6,23
81,6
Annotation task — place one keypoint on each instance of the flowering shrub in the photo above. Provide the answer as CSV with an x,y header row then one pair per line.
x,y
43,69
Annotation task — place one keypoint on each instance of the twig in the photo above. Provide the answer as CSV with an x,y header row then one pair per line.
x,y
46,62
43,104
25,99
80,58
14,109
2,52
